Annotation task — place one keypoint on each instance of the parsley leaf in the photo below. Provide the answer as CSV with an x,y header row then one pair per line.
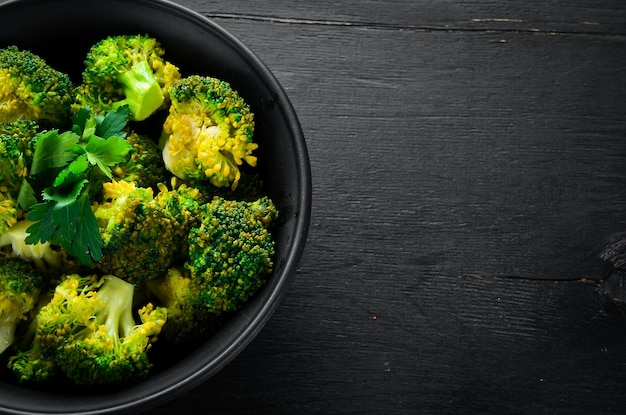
x,y
26,198
108,152
113,123
57,191
70,224
75,171
53,150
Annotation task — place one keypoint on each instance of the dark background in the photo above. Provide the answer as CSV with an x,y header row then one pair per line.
x,y
468,163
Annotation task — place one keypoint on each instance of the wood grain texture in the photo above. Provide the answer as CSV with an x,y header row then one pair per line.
x,y
579,16
465,170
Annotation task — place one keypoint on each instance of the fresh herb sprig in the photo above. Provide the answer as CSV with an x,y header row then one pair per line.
x,y
57,196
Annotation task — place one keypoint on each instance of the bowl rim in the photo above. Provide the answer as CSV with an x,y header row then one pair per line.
x,y
303,201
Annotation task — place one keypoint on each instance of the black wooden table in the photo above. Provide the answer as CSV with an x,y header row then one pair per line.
x,y
468,163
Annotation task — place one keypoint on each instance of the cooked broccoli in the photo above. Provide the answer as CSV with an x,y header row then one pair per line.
x,y
249,189
17,143
46,257
142,234
145,166
20,285
208,132
109,239
90,330
188,320
32,362
9,213
13,165
231,251
126,70
31,89
24,134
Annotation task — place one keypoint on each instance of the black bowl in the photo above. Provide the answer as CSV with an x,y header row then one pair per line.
x,y
61,31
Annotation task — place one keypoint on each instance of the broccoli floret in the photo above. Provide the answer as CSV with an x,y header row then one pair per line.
x,y
249,189
143,234
13,165
46,257
17,144
208,132
188,320
24,134
126,70
32,362
31,89
9,212
231,251
145,166
20,285
90,329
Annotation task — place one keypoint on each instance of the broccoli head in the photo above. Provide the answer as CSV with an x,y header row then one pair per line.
x,y
142,234
17,143
126,70
208,133
31,89
9,212
145,165
20,285
188,319
90,329
231,251
24,134
72,304
32,362
249,189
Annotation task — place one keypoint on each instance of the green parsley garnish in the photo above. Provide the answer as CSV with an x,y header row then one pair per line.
x,y
57,196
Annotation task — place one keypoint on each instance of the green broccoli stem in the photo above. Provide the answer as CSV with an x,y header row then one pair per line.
x,y
143,92
118,295
7,333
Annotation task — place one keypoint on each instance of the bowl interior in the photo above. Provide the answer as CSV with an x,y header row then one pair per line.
x,y
62,31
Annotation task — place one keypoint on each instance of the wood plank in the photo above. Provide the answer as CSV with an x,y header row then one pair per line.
x,y
579,16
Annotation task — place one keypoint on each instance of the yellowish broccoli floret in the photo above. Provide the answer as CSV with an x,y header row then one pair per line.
x,y
9,212
89,330
31,89
17,142
143,234
208,133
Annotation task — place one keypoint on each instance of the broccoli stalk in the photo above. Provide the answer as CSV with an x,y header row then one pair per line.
x,y
143,93
43,255
117,315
